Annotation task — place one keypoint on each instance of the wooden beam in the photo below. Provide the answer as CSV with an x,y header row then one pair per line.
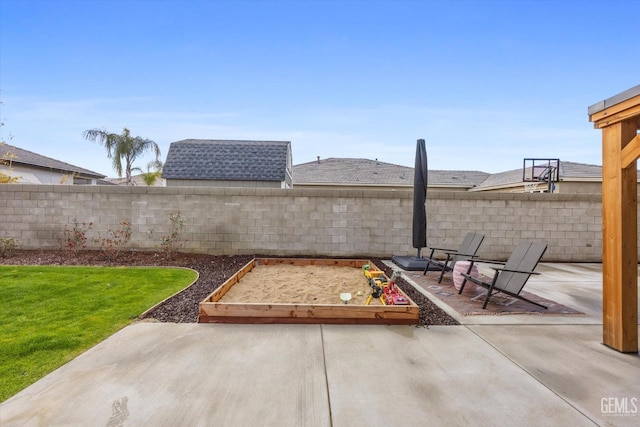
x,y
620,237
631,152
616,113
355,263
619,117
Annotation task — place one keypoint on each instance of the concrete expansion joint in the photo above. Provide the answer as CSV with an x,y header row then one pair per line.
x,y
326,375
523,369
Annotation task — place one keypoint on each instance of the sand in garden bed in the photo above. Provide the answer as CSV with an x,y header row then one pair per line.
x,y
294,284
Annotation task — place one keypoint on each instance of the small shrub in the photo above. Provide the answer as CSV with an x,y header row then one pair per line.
x,y
7,246
115,240
170,242
74,238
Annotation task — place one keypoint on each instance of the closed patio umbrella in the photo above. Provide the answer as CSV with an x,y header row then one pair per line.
x,y
420,179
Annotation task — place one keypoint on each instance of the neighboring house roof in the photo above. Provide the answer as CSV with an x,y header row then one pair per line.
x,y
469,179
569,171
346,171
351,171
205,159
29,158
501,179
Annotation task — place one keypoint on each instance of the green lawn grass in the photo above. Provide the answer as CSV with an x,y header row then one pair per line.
x,y
49,315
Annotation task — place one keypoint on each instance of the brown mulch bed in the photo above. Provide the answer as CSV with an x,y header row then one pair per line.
x,y
212,270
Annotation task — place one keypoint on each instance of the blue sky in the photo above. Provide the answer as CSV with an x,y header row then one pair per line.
x,y
485,83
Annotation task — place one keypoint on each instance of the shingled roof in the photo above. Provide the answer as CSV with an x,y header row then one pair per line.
x,y
346,171
227,160
569,171
29,158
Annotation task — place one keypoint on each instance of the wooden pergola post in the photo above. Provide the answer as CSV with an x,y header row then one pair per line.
x,y
619,119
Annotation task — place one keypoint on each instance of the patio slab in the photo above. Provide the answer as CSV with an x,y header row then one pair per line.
x,y
444,375
295,375
571,361
153,374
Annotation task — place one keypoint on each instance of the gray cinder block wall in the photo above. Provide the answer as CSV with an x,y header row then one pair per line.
x,y
310,222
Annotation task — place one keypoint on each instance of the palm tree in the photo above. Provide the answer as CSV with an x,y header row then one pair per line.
x,y
122,147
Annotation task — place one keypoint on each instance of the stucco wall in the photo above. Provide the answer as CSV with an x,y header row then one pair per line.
x,y
39,176
305,221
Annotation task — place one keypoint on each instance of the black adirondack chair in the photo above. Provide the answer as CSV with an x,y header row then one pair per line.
x,y
510,277
465,252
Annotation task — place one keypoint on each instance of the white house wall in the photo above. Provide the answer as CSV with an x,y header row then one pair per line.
x,y
27,175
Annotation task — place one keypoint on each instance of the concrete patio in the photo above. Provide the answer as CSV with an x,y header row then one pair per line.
x,y
524,370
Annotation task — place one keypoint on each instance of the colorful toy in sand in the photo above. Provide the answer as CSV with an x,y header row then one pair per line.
x,y
377,280
385,290
392,295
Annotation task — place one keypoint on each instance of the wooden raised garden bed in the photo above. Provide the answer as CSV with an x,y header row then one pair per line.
x,y
215,310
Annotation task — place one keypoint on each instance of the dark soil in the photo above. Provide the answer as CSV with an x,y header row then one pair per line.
x,y
212,270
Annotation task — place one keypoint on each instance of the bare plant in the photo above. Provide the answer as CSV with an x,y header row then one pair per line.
x,y
74,238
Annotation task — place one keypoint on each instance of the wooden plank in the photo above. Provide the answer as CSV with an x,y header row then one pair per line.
x,y
608,115
309,310
631,152
617,117
356,263
306,321
619,243
224,288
